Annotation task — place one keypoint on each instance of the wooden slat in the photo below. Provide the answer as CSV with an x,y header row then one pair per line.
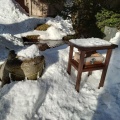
x,y
88,67
74,64
94,67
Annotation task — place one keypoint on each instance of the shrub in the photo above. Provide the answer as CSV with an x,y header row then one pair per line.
x,y
83,18
89,17
108,18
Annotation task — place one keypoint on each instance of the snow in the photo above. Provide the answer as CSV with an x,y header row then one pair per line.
x,y
53,34
29,52
58,29
90,42
27,94
53,96
10,13
115,40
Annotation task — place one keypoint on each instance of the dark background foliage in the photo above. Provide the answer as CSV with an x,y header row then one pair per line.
x,y
89,17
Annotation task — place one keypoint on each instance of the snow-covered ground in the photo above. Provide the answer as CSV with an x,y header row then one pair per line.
x,y
53,96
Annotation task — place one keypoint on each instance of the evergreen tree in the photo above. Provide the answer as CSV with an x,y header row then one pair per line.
x,y
85,15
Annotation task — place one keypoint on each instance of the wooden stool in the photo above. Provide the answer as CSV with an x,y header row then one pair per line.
x,y
84,47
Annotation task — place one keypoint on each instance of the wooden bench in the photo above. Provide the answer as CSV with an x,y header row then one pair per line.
x,y
79,66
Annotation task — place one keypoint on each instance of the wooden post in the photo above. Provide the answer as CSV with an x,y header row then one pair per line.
x,y
69,61
80,68
109,52
30,7
25,2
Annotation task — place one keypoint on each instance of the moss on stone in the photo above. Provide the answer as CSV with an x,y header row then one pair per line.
x,y
42,27
68,37
32,36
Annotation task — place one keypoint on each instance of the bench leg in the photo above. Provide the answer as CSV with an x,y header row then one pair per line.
x,y
109,52
69,61
80,68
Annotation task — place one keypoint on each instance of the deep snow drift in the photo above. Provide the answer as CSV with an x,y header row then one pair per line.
x,y
53,96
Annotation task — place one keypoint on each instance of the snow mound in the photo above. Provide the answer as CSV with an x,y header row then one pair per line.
x,y
63,25
10,12
29,52
59,28
13,19
53,33
27,94
116,39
